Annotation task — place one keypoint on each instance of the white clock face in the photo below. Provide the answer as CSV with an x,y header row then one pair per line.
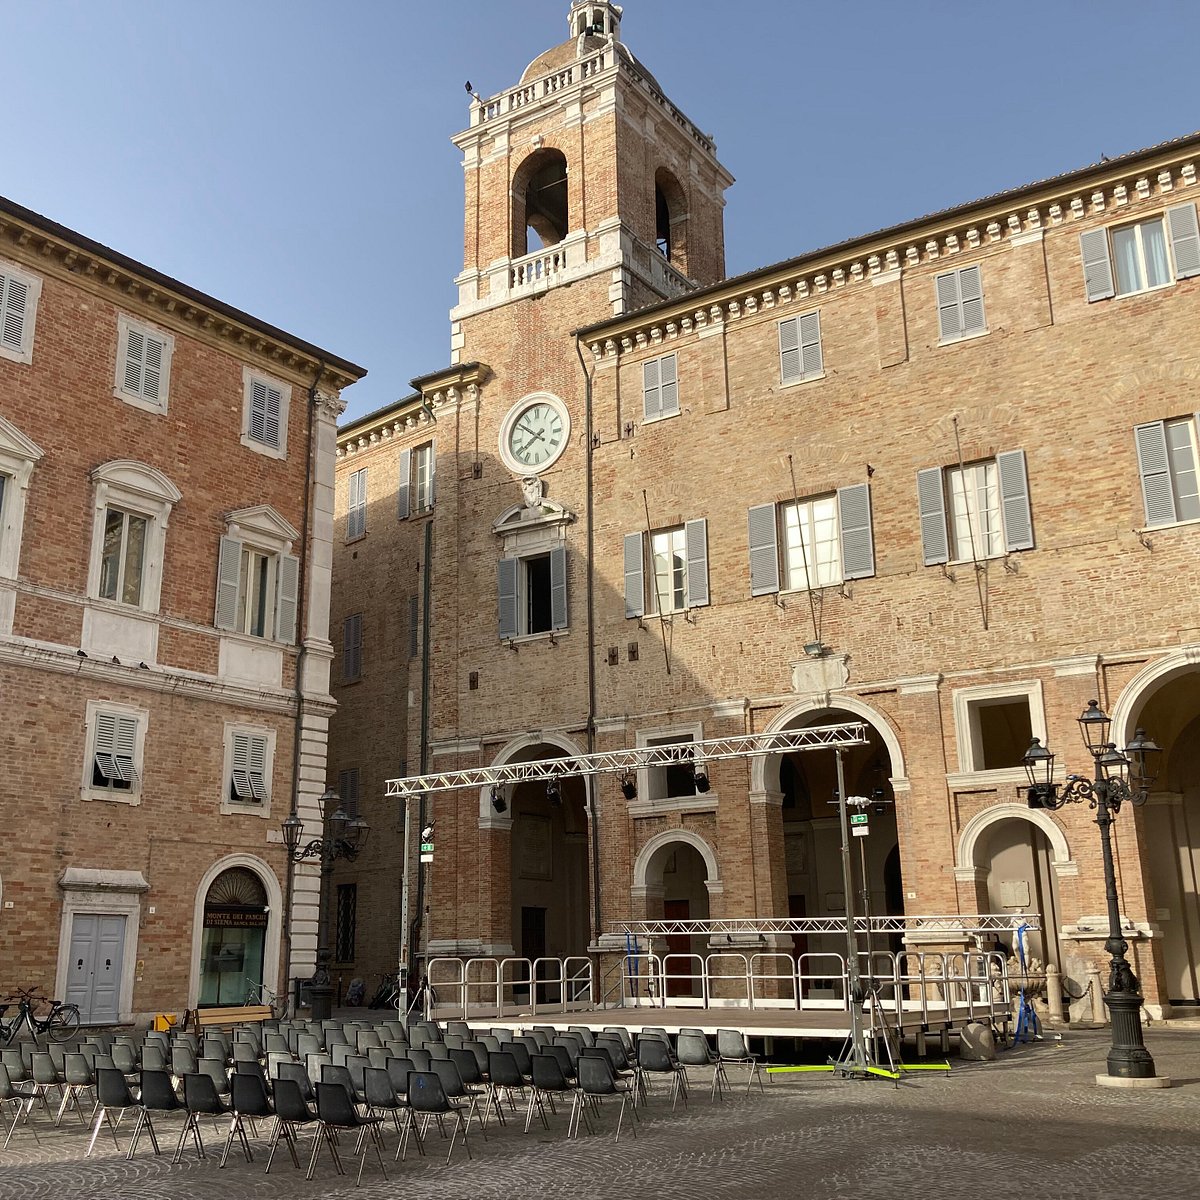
x,y
537,435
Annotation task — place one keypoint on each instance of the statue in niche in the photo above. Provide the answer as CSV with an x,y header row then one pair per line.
x,y
532,490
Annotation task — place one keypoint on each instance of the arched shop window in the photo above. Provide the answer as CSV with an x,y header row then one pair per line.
x,y
235,929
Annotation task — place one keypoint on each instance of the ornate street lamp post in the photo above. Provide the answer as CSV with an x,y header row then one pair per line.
x,y
344,838
1105,792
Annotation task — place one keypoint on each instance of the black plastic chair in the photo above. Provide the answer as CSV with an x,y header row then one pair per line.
x,y
342,1077
655,1058
692,1050
249,1102
200,1098
77,1077
548,1082
732,1048
19,1096
503,1072
291,1113
596,1080
427,1096
157,1095
456,1089
382,1099
335,1111
299,1076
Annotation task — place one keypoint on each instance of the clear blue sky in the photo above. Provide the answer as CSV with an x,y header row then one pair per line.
x,y
292,158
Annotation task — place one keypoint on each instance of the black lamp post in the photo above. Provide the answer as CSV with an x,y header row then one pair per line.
x,y
1105,792
345,837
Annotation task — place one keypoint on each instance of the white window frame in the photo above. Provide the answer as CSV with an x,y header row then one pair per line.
x,y
967,703
88,790
262,531
247,808
1172,474
145,491
785,564
249,378
127,326
672,532
974,537
33,285
18,456
1137,226
647,776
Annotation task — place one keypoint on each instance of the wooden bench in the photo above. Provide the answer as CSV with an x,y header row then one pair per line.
x,y
242,1014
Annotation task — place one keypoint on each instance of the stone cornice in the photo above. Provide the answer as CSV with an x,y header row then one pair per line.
x,y
49,248
1110,189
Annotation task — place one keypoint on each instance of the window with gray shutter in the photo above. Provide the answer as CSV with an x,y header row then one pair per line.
x,y
14,299
114,747
651,391
266,407
404,490
352,648
414,619
789,351
695,535
1185,240
960,303
931,502
764,550
1157,494
289,590
144,355
508,586
558,588
635,588
669,384
800,354
248,780
348,791
812,361
229,563
1014,499
1097,265
356,504
854,524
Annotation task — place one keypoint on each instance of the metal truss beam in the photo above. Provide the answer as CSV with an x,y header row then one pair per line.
x,y
816,737
961,923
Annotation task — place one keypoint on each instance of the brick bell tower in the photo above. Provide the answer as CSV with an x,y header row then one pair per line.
x,y
588,194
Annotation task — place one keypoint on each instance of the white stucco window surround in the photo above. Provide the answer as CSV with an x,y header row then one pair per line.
x,y
19,295
989,723
18,455
144,353
248,770
114,752
265,403
132,505
670,788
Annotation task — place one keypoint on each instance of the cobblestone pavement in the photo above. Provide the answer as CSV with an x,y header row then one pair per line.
x,y
1032,1124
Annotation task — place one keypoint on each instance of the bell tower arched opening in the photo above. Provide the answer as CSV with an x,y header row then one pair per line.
x,y
670,219
540,209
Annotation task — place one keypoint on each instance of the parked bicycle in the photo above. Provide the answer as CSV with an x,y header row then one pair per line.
x,y
259,993
388,993
60,1024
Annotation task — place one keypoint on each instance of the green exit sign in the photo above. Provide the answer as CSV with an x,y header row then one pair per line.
x,y
427,847
858,818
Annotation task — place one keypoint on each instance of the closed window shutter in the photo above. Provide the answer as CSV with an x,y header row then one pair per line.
x,y
949,308
812,361
229,563
1185,240
404,491
115,745
249,767
258,411
695,537
414,617
651,392
14,296
1014,499
970,290
1151,442
274,409
558,588
348,791
931,500
135,349
668,382
352,647
289,594
635,589
764,550
104,744
1097,266
152,368
507,589
356,515
854,523
432,471
789,350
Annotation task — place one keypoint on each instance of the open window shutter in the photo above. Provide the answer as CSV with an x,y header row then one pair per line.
x,y
124,748
104,743
135,349
949,317
854,521
651,392
1014,499
507,577
432,471
764,550
352,505
669,385
635,588
15,296
229,563
289,594
558,588
931,500
404,489
1156,479
970,290
812,362
414,618
257,765
1097,266
789,350
352,647
695,537
1185,240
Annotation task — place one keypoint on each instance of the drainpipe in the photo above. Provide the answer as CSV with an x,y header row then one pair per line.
x,y
593,809
301,630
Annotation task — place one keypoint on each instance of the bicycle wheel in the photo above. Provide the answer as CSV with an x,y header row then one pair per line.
x,y
63,1023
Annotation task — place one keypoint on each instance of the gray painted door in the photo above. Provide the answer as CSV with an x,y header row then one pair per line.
x,y
94,971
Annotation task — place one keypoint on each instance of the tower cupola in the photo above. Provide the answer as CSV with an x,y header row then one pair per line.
x,y
595,18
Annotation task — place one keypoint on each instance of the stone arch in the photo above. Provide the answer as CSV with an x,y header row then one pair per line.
x,y
273,938
670,218
540,200
1138,691
788,717
972,833
510,752
669,837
